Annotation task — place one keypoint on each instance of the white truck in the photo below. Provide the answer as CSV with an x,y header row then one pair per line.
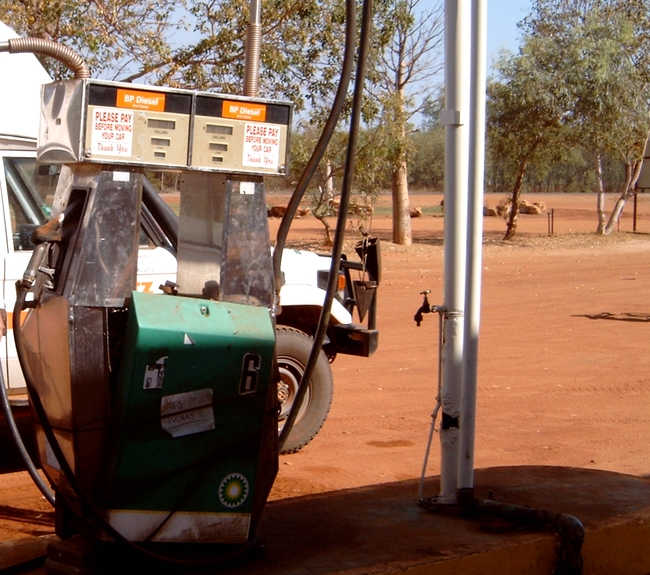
x,y
26,190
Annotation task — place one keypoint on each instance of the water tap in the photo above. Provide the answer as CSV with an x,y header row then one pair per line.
x,y
424,308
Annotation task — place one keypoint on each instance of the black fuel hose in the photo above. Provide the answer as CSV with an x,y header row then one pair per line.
x,y
321,145
18,440
341,222
163,214
22,287
568,527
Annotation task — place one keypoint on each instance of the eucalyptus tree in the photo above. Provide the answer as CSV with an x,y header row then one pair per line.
x,y
409,68
602,56
301,49
195,43
525,109
115,37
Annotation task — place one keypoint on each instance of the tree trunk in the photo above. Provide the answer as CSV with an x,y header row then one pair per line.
x,y
399,186
327,229
633,171
511,228
600,201
617,211
329,181
401,212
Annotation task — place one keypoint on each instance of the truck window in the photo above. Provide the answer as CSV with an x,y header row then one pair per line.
x,y
30,188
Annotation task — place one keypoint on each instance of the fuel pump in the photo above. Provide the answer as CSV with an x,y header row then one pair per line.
x,y
157,410
157,414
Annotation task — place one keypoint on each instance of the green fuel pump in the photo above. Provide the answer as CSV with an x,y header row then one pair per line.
x,y
157,414
164,406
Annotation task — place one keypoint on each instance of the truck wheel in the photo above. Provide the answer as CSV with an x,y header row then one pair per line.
x,y
293,348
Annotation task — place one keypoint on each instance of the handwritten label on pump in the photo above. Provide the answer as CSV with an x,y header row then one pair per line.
x,y
187,413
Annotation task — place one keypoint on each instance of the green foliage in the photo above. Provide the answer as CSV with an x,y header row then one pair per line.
x,y
581,79
323,199
300,49
427,162
371,176
114,37
524,107
599,51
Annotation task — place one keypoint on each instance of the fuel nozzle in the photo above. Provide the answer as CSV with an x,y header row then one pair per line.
x,y
424,308
41,238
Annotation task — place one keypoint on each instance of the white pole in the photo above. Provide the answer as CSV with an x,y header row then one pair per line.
x,y
455,117
474,244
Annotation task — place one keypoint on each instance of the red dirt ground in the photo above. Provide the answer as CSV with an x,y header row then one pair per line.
x,y
564,369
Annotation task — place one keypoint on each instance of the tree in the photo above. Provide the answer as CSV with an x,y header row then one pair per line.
x,y
300,52
115,37
426,162
413,56
371,176
602,54
591,59
131,40
525,111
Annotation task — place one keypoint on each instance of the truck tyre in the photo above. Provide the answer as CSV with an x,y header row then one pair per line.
x,y
293,348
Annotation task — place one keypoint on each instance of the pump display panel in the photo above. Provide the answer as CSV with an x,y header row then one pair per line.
x,y
131,124
240,135
110,122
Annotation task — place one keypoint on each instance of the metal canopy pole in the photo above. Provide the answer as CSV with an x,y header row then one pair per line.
x,y
455,118
474,244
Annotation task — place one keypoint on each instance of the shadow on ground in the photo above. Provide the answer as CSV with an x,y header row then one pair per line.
x,y
635,317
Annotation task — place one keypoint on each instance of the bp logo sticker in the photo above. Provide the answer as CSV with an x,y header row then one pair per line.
x,y
233,490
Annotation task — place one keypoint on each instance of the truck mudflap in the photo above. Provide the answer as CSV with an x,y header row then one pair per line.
x,y
352,339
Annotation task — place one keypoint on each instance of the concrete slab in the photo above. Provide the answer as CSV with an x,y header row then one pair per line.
x,y
381,529
21,555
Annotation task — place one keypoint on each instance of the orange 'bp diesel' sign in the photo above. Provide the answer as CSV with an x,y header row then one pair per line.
x,y
244,111
137,100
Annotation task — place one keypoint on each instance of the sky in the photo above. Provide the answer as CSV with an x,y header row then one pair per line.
x,y
502,31
502,19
